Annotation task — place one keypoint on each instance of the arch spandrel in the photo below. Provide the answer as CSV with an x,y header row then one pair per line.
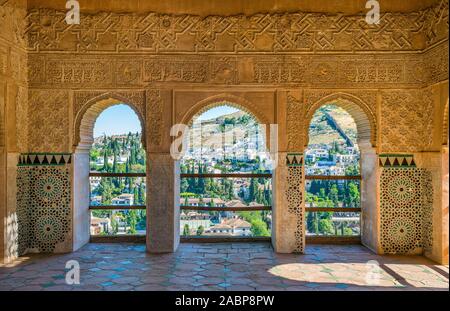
x,y
363,116
231,101
87,111
224,100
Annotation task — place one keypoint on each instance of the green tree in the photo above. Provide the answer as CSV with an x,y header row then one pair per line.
x,y
186,230
201,181
141,195
311,223
259,228
131,219
200,230
136,196
334,195
354,195
105,161
253,190
326,226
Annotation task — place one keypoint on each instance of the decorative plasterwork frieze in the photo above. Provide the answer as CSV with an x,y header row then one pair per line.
x,y
276,33
334,71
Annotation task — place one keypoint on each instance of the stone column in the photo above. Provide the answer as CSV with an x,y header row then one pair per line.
x,y
288,230
370,213
289,208
163,203
11,227
8,189
436,233
80,199
163,173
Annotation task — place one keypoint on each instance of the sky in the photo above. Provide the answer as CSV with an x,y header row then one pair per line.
x,y
118,119
121,119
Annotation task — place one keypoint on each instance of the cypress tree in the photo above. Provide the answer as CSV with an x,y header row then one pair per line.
x,y
253,190
105,161
136,196
201,181
141,195
114,167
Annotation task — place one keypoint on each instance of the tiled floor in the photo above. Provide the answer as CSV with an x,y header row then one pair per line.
x,y
228,266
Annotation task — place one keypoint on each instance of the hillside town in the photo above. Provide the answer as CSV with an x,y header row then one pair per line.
x,y
230,143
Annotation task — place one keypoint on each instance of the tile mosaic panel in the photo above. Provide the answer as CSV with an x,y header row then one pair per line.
x,y
406,210
396,160
43,203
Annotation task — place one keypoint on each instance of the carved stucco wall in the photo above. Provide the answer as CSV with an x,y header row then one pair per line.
x,y
407,120
13,116
13,76
300,60
67,58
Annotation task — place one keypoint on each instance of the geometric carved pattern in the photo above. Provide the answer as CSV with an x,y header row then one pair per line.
x,y
294,123
294,159
44,159
290,32
405,210
406,120
396,160
155,117
436,23
48,121
294,197
342,70
43,208
22,118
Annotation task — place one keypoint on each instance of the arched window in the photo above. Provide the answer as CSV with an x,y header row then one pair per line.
x,y
333,176
117,174
226,188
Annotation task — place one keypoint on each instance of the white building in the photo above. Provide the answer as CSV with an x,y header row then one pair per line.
x,y
126,199
234,227
100,225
